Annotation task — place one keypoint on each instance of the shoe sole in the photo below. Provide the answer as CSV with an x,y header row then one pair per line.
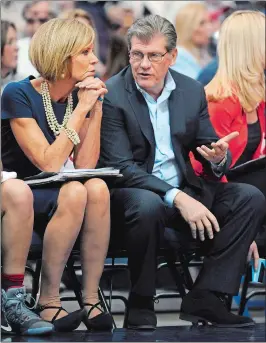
x,y
38,331
141,327
196,320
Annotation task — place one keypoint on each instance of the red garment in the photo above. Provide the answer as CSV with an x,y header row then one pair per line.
x,y
227,116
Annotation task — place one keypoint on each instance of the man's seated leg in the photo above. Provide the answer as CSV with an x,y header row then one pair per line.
x,y
16,234
139,215
239,210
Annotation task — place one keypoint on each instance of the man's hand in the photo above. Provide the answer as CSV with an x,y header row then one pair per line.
x,y
219,149
253,251
196,215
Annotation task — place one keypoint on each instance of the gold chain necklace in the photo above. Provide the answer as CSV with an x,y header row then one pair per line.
x,y
51,118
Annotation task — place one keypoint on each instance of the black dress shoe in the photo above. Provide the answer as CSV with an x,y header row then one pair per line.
x,y
101,322
141,315
204,306
141,319
65,324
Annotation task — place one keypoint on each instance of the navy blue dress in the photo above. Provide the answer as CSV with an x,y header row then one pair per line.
x,y
21,100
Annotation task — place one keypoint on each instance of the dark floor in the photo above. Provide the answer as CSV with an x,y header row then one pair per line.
x,y
162,334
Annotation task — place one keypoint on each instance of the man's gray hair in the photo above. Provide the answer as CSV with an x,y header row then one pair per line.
x,y
147,27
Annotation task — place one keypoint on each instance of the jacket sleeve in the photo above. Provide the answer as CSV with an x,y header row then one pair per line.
x,y
116,152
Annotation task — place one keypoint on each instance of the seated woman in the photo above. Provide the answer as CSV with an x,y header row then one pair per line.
x,y
9,53
44,121
193,30
16,232
236,95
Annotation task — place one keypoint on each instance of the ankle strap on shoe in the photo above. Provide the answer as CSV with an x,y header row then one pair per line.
x,y
93,306
41,308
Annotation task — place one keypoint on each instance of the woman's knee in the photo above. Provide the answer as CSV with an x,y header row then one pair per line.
x,y
73,197
97,192
17,196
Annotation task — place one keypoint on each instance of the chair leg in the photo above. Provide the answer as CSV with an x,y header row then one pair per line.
x,y
175,274
75,283
106,307
244,291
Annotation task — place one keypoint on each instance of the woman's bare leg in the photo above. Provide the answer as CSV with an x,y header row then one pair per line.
x,y
60,236
95,239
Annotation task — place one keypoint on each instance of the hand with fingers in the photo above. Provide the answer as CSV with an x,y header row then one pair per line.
x,y
199,218
90,90
253,252
219,149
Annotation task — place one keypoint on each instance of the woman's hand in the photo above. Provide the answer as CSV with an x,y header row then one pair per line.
x,y
90,89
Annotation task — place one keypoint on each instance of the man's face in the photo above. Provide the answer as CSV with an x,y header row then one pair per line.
x,y
150,62
37,15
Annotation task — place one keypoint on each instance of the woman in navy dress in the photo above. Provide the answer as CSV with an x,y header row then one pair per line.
x,y
44,121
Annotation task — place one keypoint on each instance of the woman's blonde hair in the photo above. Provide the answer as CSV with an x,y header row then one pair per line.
x,y
54,43
241,51
187,20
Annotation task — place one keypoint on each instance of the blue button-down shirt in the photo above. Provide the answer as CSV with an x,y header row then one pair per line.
x,y
165,166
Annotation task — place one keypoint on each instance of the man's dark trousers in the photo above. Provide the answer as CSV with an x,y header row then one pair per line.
x,y
139,217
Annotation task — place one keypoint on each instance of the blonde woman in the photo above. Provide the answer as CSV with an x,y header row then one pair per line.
x,y
193,30
236,95
44,120
84,17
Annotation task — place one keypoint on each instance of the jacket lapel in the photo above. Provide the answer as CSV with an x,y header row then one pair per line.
x,y
177,125
140,108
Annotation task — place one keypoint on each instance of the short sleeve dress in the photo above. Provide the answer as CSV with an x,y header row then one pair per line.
x,y
21,100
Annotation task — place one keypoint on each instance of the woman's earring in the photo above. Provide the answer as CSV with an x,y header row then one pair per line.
x,y
63,75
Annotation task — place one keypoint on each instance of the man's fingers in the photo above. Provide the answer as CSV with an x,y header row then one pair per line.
x,y
200,228
219,150
256,257
229,137
214,221
203,153
193,228
208,226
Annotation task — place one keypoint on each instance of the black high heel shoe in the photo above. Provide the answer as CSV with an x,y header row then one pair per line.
x,y
65,324
101,322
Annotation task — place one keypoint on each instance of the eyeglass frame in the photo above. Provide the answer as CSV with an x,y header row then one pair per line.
x,y
162,56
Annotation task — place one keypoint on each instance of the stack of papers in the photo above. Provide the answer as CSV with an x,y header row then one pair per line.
x,y
71,175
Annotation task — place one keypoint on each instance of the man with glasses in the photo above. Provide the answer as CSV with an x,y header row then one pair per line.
x,y
152,118
35,14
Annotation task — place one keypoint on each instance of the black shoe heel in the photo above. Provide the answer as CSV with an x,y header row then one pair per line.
x,y
65,324
101,322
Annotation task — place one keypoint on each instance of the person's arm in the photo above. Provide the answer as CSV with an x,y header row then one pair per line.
x,y
206,136
86,154
116,152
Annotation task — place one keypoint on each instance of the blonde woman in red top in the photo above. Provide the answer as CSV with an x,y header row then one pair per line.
x,y
236,94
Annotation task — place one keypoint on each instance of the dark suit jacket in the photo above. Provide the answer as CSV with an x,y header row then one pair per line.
x,y
127,136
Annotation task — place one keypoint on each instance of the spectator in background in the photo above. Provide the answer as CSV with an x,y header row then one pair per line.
x,y
118,57
193,36
35,14
84,17
9,53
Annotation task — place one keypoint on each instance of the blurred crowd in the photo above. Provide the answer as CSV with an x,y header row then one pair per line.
x,y
197,24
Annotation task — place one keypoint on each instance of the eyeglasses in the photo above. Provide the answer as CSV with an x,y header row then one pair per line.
x,y
153,57
36,20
